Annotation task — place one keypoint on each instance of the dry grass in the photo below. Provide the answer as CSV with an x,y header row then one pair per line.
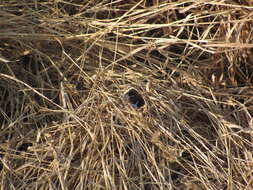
x,y
64,69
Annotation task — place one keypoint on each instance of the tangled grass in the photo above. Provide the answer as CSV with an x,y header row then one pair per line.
x,y
66,65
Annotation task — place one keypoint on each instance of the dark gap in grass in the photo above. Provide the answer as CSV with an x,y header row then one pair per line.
x,y
147,186
187,156
31,64
155,33
9,50
148,3
177,171
158,55
134,98
176,50
80,86
203,56
69,9
23,147
106,14
16,10
2,152
138,59
176,15
244,70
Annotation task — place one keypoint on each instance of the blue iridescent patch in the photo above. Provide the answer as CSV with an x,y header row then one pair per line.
x,y
134,98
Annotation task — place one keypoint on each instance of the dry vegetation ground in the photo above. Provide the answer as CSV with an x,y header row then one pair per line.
x,y
65,66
